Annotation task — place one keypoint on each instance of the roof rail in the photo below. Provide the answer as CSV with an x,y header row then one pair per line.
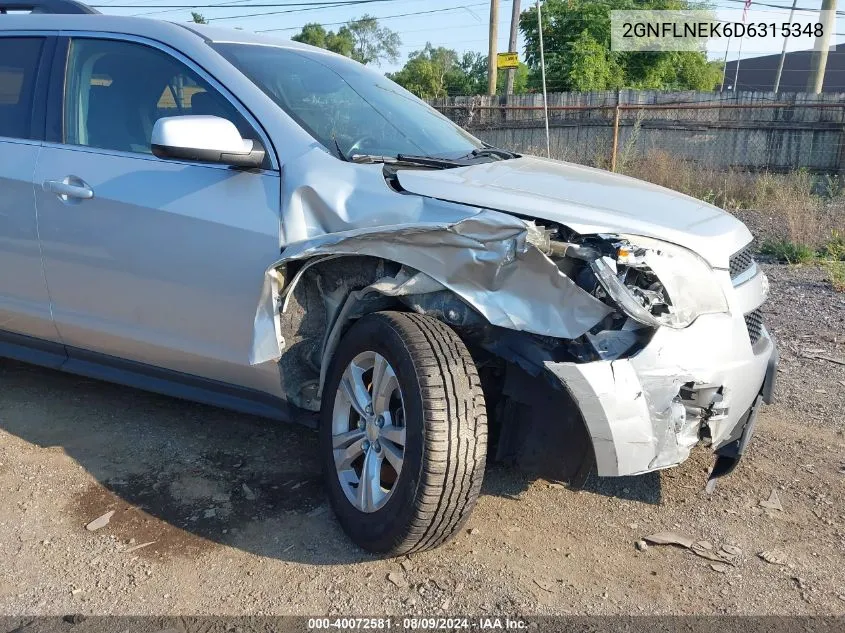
x,y
45,6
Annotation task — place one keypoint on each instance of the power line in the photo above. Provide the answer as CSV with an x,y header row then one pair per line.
x,y
305,6
321,5
383,17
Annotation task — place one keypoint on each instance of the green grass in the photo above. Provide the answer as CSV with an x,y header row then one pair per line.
x,y
836,270
831,256
835,247
789,252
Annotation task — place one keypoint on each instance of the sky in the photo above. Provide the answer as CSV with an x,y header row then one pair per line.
x,y
463,27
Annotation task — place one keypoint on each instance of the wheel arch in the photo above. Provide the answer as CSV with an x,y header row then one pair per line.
x,y
325,294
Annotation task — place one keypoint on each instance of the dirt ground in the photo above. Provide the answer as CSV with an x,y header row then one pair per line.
x,y
231,514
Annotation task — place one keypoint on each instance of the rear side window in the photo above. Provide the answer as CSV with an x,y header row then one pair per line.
x,y
19,57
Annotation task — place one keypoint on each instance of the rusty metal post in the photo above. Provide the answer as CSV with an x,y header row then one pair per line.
x,y
615,150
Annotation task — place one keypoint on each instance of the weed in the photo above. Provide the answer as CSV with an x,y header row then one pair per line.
x,y
836,271
834,248
788,252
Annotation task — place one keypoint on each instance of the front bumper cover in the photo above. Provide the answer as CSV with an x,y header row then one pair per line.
x,y
646,412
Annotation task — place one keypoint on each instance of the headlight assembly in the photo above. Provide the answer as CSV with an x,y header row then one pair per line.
x,y
658,283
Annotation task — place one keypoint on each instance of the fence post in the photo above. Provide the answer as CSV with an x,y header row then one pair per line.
x,y
615,149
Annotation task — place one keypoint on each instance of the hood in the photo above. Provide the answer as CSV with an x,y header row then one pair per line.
x,y
586,200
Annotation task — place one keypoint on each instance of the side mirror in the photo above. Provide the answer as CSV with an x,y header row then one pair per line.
x,y
209,139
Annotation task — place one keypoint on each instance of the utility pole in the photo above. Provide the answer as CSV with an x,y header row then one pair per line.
x,y
494,37
819,61
783,52
512,44
543,74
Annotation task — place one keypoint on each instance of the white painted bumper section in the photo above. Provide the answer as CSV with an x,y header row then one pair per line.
x,y
632,407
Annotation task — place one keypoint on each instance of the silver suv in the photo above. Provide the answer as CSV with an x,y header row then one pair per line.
x,y
276,229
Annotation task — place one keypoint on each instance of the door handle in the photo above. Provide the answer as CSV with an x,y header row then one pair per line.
x,y
69,187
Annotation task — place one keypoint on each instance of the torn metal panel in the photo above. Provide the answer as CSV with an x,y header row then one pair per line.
x,y
267,339
636,426
485,257
646,412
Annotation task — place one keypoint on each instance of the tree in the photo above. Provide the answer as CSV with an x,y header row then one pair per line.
x,y
315,35
576,37
198,18
426,71
362,39
370,42
437,71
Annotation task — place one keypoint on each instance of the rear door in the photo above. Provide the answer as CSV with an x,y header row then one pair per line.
x,y
24,300
155,261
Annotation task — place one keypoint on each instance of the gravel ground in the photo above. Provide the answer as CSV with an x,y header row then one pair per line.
x,y
221,513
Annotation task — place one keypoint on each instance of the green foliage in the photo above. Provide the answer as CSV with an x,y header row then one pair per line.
x,y
788,252
831,256
437,72
428,72
835,247
198,18
316,35
576,37
836,272
361,39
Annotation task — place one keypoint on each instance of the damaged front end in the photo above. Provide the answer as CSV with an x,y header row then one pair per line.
x,y
643,336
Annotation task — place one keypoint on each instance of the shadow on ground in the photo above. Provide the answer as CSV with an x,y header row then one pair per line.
x,y
182,477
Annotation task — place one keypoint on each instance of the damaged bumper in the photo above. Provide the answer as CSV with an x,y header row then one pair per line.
x,y
646,412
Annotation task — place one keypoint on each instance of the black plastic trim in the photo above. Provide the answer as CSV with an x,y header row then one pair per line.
x,y
768,391
32,350
150,378
39,98
251,160
54,123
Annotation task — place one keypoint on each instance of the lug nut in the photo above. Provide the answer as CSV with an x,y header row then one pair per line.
x,y
366,445
380,421
377,447
369,409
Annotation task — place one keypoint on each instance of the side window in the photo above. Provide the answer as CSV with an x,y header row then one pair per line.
x,y
115,92
19,57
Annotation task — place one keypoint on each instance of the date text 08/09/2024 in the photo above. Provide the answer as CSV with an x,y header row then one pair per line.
x,y
418,624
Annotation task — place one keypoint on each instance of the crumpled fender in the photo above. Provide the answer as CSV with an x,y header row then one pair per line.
x,y
485,257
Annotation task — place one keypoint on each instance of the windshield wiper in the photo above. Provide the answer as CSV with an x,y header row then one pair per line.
x,y
340,153
489,150
371,158
431,161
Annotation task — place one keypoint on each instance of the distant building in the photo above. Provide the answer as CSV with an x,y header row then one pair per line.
x,y
758,73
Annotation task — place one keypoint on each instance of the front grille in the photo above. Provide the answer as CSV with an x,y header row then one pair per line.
x,y
754,323
741,261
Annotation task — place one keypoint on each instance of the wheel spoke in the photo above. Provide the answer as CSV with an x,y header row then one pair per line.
x,y
384,384
343,457
393,454
353,388
369,484
396,434
343,440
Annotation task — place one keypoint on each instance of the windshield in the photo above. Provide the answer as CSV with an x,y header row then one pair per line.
x,y
346,107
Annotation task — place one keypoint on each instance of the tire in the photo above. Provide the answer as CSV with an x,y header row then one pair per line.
x,y
440,415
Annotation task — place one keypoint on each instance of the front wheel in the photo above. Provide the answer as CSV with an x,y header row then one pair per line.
x,y
403,433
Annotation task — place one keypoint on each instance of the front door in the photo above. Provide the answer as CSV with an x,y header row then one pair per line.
x,y
149,260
